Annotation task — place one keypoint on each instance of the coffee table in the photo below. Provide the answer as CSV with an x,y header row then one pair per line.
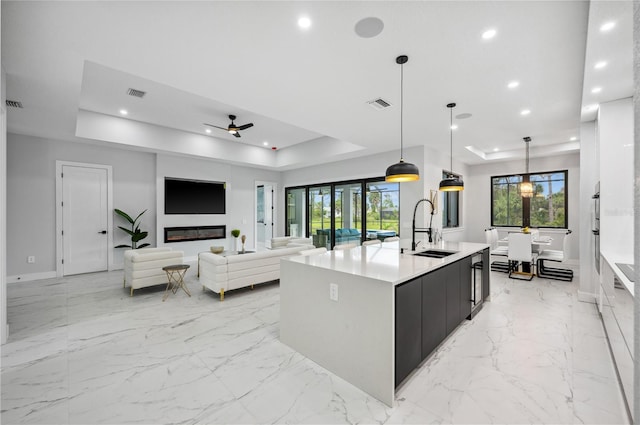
x,y
175,276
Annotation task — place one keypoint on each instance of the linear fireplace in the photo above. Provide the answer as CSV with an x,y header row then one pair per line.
x,y
194,233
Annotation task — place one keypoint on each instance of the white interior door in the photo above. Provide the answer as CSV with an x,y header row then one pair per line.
x,y
84,219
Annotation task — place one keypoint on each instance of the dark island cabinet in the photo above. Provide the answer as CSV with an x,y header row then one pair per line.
x,y
466,275
434,310
407,328
429,308
486,284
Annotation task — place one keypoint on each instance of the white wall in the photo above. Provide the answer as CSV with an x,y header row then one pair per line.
x,y
31,165
240,202
478,194
615,138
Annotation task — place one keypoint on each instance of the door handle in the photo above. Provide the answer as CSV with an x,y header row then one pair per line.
x,y
104,232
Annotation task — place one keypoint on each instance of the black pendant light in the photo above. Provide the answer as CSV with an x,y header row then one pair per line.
x,y
402,171
526,187
451,183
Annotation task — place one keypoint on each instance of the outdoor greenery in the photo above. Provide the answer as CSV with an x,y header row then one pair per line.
x,y
547,207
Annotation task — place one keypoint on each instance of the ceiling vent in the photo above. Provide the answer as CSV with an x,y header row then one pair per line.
x,y
14,104
136,93
379,103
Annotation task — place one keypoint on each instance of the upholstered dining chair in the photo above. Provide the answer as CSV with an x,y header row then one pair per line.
x,y
521,256
490,236
557,256
372,242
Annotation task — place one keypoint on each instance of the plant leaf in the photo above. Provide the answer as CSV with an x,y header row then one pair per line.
x,y
143,245
124,215
123,246
139,215
139,236
126,230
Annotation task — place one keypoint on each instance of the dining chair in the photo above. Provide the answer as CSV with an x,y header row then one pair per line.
x,y
344,246
556,256
521,256
372,242
499,251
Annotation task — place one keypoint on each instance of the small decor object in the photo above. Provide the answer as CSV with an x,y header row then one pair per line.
x,y
243,239
235,233
216,249
402,171
136,234
525,229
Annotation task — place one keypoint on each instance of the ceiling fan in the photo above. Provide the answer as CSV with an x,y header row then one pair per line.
x,y
232,128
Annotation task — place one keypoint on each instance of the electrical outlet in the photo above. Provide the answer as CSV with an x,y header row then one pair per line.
x,y
31,259
333,292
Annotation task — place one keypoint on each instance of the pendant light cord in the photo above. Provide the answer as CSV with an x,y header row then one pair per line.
x,y
401,108
451,142
527,142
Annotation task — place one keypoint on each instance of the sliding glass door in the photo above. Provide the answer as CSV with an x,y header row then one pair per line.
x,y
347,213
296,212
320,215
343,212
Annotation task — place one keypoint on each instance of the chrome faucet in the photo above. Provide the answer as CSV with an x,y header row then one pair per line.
x,y
415,230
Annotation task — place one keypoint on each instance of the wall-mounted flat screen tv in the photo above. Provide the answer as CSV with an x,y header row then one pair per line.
x,y
183,196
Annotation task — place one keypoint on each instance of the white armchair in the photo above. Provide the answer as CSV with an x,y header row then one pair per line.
x,y
143,267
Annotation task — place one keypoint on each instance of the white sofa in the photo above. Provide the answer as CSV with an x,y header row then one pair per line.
x,y
288,241
143,267
222,274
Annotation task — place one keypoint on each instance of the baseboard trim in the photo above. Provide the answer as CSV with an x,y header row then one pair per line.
x,y
31,276
586,297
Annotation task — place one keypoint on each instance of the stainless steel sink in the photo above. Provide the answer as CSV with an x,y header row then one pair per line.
x,y
435,253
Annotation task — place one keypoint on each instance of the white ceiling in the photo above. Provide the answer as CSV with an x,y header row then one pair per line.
x,y
201,61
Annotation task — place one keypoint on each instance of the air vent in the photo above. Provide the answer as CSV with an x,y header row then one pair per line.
x,y
379,103
136,93
14,104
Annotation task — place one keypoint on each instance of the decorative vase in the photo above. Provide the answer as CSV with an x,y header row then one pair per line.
x,y
236,244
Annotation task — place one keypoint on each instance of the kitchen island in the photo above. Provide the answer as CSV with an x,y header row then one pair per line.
x,y
371,314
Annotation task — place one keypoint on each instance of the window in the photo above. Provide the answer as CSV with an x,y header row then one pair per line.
x,y
547,208
450,205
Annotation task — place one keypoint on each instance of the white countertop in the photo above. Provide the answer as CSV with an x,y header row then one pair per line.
x,y
385,262
612,258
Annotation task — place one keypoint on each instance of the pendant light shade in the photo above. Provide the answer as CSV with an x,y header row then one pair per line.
x,y
451,183
526,187
402,171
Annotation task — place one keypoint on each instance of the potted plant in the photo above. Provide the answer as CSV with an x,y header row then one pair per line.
x,y
136,234
235,233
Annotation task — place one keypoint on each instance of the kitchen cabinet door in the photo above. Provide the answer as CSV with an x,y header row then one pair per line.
x,y
407,328
453,296
434,310
465,287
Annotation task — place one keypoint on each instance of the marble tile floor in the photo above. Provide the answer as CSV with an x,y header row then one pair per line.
x,y
81,351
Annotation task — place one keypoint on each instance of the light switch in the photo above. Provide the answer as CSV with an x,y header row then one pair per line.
x,y
333,292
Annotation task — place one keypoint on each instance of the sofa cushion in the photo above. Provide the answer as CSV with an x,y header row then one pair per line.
x,y
354,232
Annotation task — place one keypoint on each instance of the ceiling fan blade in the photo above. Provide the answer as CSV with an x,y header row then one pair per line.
x,y
236,134
215,126
245,126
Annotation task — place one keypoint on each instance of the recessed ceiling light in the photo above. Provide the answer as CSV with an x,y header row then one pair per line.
x,y
123,112
454,127
525,112
265,143
513,84
304,22
573,139
207,130
607,26
489,34
596,90
590,108
496,149
600,65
